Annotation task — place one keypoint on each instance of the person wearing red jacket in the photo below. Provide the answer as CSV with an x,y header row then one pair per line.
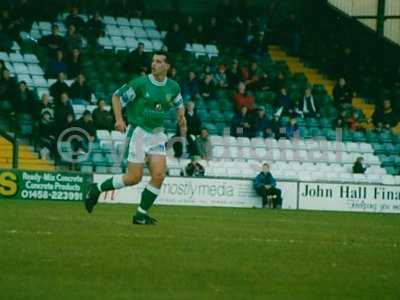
x,y
241,98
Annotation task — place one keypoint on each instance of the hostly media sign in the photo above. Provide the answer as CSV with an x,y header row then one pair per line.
x,y
37,185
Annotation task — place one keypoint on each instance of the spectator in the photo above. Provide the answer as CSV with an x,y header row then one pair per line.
x,y
59,87
63,111
46,135
86,123
57,65
341,120
353,121
8,90
74,64
261,123
342,95
173,74
204,145
211,31
220,77
24,100
241,98
283,104
265,186
188,28
385,117
207,87
74,19
95,28
358,167
258,47
275,128
279,82
5,40
308,107
45,107
190,87
200,36
102,118
233,75
86,135
194,168
192,119
264,83
175,39
137,61
54,41
2,66
241,124
73,39
251,76
293,29
292,128
80,90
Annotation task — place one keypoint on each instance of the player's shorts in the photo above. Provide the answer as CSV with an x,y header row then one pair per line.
x,y
142,143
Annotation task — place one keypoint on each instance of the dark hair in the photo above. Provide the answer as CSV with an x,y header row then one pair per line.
x,y
266,164
100,99
54,26
23,82
165,54
204,128
87,112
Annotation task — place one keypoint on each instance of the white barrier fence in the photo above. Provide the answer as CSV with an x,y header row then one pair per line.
x,y
240,193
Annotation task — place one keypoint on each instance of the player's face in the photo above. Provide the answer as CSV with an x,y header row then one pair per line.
x,y
158,66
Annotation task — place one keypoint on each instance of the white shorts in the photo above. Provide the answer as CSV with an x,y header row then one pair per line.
x,y
142,143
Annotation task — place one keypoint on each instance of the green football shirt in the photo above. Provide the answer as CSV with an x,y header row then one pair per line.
x,y
148,101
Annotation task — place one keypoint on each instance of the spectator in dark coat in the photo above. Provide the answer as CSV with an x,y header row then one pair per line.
x,y
59,87
241,98
275,128
80,89
190,87
102,118
24,100
73,39
86,123
188,28
220,77
193,121
292,128
95,28
203,144
57,65
385,117
342,95
46,136
358,167
200,36
194,168
261,123
45,107
308,107
241,124
74,19
283,104
265,186
5,40
207,87
53,41
175,39
251,75
212,31
74,63
279,82
137,61
234,75
8,90
62,111
258,47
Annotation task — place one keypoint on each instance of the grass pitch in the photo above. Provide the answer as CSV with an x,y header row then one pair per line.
x,y
55,250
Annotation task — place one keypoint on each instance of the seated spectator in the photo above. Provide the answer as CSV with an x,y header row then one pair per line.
x,y
8,90
24,100
275,128
220,78
188,29
264,83
80,90
292,128
279,82
190,87
175,40
2,66
342,95
200,36
137,61
265,186
45,107
234,75
86,124
102,118
292,29
308,108
258,47
73,39
283,104
46,136
173,74
193,122
74,19
5,40
63,110
57,65
203,144
54,41
194,168
212,31
261,123
251,76
74,63
241,124
241,98
95,28
59,87
207,87
354,122
341,120
385,117
358,167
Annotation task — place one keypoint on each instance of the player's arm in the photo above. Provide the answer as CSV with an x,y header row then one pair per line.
x,y
117,108
120,98
180,114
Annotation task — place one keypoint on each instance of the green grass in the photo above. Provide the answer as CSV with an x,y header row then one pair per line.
x,y
54,250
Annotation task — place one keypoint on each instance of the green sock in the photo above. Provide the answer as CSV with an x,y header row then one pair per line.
x,y
149,195
113,183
